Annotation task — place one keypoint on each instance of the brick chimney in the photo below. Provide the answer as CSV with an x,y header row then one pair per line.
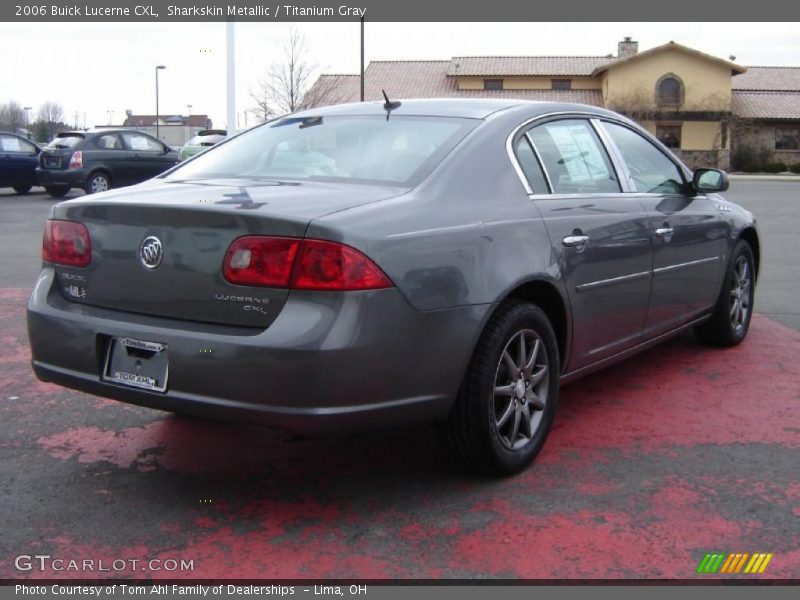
x,y
627,47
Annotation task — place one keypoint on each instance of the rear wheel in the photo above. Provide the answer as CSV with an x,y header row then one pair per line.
x,y
731,317
22,189
97,182
508,398
57,191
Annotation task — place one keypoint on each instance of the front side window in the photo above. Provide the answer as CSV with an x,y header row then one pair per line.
x,y
400,150
787,138
651,171
574,158
669,135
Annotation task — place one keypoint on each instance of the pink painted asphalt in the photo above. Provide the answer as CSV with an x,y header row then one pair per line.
x,y
680,451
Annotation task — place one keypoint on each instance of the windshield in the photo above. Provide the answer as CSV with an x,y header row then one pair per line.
x,y
400,150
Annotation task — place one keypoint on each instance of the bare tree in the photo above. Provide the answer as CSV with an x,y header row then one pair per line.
x,y
12,116
282,88
262,109
51,119
51,112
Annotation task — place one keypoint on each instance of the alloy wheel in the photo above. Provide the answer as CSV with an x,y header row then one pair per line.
x,y
740,293
520,389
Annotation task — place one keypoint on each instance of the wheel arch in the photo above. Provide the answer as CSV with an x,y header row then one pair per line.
x,y
750,236
104,170
546,295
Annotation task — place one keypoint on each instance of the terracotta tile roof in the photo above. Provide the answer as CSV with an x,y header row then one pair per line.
x,y
671,46
766,104
496,66
768,78
425,79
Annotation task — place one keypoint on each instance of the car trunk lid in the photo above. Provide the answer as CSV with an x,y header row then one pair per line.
x,y
195,223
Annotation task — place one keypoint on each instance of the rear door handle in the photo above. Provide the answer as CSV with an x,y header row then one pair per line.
x,y
665,233
576,241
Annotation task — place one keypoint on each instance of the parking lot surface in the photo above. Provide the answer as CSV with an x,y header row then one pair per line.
x,y
651,464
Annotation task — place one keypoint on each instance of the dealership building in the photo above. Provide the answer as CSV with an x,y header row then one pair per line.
x,y
709,110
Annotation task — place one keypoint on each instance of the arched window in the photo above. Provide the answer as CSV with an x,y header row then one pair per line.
x,y
669,91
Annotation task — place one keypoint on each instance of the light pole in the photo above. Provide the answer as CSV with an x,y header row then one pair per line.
x,y
158,68
27,110
189,106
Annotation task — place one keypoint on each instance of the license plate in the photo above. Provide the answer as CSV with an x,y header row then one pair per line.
x,y
137,363
52,162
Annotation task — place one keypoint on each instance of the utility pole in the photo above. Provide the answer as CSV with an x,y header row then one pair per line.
x,y
362,59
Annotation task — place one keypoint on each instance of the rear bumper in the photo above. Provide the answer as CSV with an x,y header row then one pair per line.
x,y
328,363
74,178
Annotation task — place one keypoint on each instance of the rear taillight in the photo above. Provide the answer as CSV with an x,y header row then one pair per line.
x,y
76,162
300,264
66,243
262,261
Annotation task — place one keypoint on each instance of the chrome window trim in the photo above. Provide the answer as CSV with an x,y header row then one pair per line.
x,y
546,117
618,163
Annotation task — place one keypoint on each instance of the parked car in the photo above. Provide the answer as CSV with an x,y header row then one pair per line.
x,y
18,159
367,265
96,161
202,141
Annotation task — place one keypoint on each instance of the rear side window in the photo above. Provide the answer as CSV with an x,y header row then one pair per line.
x,y
108,141
530,166
651,171
574,158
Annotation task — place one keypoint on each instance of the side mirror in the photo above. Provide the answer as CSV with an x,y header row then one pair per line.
x,y
710,180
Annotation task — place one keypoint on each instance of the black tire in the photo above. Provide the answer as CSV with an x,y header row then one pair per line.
x,y
730,320
22,189
473,430
97,182
57,191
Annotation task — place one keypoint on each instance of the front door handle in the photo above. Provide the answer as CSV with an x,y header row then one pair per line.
x,y
576,241
665,233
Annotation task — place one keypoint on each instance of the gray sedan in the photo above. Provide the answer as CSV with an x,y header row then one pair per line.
x,y
370,265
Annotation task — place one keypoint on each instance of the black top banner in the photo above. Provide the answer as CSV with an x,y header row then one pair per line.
x,y
710,11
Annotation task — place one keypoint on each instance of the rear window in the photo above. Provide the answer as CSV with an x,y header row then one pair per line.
x,y
205,140
401,150
67,141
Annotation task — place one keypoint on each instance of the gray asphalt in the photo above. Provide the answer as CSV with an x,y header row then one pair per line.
x,y
776,204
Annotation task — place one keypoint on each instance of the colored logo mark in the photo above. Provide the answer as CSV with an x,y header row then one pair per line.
x,y
743,563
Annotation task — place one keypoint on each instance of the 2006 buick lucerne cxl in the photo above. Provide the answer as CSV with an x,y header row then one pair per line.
x,y
367,265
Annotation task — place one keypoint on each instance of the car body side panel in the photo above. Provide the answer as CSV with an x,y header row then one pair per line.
x,y
608,282
687,265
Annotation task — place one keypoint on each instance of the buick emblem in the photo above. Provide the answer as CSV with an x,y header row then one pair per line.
x,y
151,252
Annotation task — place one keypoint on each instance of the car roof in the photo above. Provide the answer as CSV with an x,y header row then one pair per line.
x,y
471,108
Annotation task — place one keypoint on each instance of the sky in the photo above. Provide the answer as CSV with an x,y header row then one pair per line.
x,y
94,68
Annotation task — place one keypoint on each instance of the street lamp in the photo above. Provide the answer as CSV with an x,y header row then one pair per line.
x,y
158,68
189,106
27,110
